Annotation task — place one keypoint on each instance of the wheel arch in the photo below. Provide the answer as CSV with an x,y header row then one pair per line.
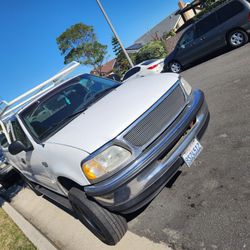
x,y
232,29
174,60
67,183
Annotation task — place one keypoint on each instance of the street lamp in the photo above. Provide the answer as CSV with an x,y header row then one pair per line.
x,y
113,30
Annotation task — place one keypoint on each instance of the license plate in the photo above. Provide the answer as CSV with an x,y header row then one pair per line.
x,y
192,152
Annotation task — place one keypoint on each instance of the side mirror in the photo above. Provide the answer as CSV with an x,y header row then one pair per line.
x,y
16,147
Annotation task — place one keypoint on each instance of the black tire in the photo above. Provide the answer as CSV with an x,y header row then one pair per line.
x,y
175,67
237,38
107,226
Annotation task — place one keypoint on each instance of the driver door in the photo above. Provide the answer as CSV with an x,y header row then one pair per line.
x,y
29,163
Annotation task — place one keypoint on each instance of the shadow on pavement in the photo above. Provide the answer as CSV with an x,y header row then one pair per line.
x,y
10,182
130,217
209,57
70,212
8,193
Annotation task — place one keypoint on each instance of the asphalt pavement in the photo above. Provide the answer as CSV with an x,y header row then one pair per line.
x,y
208,206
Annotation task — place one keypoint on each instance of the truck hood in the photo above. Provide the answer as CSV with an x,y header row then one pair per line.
x,y
108,117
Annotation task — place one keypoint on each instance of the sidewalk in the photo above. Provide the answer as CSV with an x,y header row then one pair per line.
x,y
28,230
66,232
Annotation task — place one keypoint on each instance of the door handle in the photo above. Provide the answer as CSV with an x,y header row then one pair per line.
x,y
45,164
23,161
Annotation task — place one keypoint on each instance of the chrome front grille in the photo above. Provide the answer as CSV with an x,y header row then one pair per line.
x,y
157,120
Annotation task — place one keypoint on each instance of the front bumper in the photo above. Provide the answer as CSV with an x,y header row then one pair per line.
x,y
136,185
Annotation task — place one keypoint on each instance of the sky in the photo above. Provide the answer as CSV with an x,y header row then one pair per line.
x,y
28,30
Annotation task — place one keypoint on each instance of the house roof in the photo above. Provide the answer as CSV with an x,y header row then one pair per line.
x,y
134,48
165,25
107,67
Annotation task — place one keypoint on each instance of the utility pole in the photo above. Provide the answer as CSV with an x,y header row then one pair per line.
x,y
113,30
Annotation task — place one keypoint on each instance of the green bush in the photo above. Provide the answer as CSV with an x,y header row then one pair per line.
x,y
152,50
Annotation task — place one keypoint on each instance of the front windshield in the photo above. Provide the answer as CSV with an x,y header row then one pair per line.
x,y
47,115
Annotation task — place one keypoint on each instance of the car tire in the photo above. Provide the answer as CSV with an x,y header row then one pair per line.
x,y
108,227
175,67
237,38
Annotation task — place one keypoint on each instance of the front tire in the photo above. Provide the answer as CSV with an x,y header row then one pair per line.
x,y
107,226
237,38
175,67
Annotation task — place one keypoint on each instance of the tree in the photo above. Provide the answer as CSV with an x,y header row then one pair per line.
x,y
168,34
122,65
152,50
79,43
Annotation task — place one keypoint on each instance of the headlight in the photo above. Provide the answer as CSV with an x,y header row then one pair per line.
x,y
105,162
186,86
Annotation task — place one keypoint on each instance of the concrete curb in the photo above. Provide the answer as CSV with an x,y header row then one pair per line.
x,y
41,242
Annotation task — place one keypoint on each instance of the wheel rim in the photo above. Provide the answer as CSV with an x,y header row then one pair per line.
x,y
93,227
237,39
175,67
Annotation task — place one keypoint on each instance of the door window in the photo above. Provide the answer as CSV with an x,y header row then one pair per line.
x,y
230,10
131,72
187,38
206,24
19,134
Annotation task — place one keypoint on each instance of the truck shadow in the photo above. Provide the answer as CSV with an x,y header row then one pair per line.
x,y
130,217
209,57
8,193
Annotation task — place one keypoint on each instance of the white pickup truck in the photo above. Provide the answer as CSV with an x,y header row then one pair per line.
x,y
101,148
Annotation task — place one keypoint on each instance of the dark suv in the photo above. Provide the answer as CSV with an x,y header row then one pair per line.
x,y
227,24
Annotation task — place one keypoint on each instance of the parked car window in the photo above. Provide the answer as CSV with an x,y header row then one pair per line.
x,y
229,11
53,111
19,134
187,38
131,72
206,24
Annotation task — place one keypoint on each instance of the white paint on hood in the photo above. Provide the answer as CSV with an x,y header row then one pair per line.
x,y
112,114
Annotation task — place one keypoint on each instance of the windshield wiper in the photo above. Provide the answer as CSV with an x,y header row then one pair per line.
x,y
104,92
99,95
57,124
94,99
73,115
